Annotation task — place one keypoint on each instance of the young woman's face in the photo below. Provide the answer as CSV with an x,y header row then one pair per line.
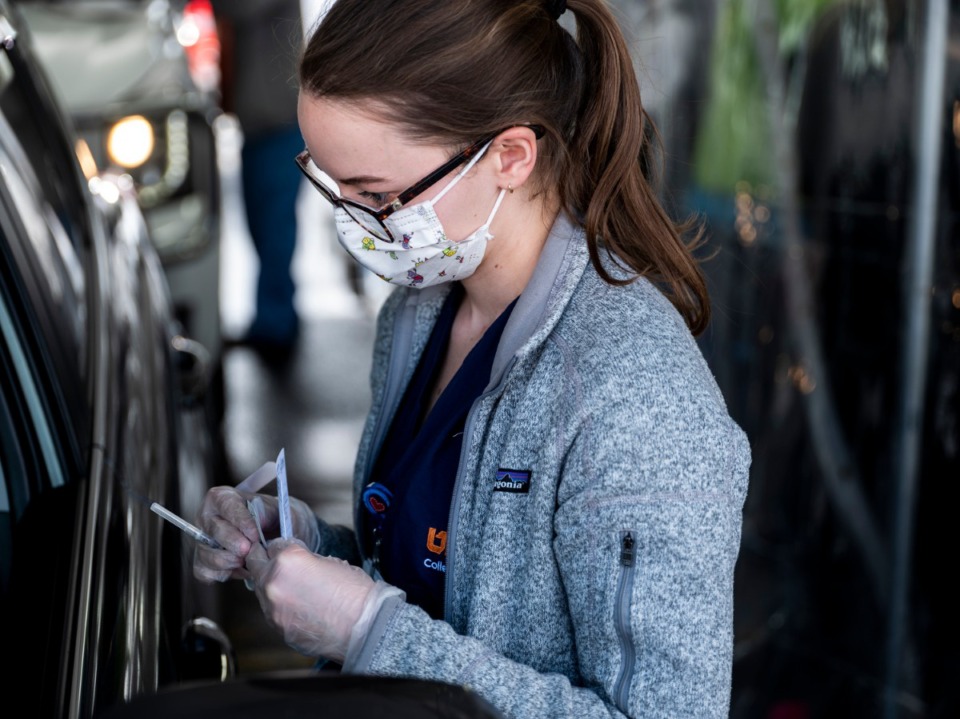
x,y
372,161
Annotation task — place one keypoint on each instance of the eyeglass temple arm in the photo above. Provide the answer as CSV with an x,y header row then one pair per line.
x,y
455,161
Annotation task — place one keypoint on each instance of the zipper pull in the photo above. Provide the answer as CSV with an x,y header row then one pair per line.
x,y
626,550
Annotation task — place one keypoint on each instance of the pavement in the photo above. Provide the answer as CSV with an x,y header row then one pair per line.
x,y
312,406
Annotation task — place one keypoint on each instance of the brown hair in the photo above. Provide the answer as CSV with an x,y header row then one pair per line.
x,y
451,72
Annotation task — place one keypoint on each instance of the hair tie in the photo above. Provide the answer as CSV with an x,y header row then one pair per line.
x,y
556,8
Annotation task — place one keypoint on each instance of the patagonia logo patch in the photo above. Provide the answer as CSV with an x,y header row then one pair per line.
x,y
512,480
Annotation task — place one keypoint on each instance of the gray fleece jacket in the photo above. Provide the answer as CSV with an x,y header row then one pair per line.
x,y
602,584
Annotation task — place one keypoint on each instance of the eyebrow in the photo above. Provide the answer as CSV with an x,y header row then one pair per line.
x,y
360,180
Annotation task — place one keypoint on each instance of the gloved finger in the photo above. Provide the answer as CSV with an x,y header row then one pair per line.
x,y
304,522
275,546
255,565
256,562
259,559
217,565
225,517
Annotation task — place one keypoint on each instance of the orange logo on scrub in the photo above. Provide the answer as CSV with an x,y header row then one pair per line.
x,y
436,541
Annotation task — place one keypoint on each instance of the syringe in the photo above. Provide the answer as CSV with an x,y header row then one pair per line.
x,y
184,525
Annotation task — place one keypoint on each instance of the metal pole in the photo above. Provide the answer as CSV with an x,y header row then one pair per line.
x,y
919,258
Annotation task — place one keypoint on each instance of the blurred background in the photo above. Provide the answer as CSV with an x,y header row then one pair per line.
x,y
819,142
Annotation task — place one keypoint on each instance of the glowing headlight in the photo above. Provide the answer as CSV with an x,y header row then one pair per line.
x,y
130,141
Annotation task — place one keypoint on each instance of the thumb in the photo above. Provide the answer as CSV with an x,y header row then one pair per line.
x,y
256,561
275,546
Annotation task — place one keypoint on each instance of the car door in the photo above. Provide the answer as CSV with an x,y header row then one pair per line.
x,y
92,598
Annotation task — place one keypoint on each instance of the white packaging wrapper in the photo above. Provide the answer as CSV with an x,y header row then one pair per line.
x,y
283,497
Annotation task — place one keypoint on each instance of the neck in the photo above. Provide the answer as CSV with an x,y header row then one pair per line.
x,y
519,232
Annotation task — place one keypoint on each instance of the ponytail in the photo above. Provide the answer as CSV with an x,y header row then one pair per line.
x,y
613,174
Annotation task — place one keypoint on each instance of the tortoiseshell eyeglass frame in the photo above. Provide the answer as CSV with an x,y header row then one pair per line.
x,y
383,232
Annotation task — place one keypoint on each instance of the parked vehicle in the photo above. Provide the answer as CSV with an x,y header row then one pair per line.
x,y
139,79
99,395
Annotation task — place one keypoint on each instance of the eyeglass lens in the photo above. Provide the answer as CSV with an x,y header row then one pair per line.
x,y
331,190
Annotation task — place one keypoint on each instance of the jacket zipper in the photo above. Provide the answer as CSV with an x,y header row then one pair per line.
x,y
621,618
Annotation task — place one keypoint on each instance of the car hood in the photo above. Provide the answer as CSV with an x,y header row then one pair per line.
x,y
105,56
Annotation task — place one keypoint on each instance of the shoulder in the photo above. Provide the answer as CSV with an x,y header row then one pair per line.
x,y
638,369
632,336
645,407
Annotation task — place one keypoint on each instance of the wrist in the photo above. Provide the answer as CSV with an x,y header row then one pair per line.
x,y
382,597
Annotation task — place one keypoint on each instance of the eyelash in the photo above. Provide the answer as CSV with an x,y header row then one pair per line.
x,y
379,199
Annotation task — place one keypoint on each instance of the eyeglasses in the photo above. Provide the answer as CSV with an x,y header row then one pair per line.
x,y
372,219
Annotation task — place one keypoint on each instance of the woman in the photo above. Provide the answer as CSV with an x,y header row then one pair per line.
x,y
549,488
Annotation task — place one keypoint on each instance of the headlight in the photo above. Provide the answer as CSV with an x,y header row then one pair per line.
x,y
130,141
155,151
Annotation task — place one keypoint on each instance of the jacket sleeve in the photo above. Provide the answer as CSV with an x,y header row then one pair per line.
x,y
646,538
339,541
405,641
647,541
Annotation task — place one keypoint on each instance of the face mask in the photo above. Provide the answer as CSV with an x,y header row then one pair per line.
x,y
422,255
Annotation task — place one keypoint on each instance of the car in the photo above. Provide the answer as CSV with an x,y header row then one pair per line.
x,y
140,81
99,399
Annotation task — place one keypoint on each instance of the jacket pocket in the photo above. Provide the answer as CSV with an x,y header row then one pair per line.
x,y
622,619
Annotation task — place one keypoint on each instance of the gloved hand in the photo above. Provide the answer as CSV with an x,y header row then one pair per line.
x,y
226,517
322,606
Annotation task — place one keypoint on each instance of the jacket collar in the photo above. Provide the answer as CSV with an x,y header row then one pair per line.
x,y
539,307
558,271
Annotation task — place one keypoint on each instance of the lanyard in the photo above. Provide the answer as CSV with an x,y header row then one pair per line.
x,y
376,499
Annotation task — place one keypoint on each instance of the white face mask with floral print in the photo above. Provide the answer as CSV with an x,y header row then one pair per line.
x,y
422,255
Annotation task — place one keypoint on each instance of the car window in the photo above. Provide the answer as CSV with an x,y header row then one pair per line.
x,y
46,236
38,513
44,411
30,460
35,412
8,457
33,119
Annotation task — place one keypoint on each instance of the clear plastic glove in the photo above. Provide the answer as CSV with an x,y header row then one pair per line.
x,y
226,516
322,606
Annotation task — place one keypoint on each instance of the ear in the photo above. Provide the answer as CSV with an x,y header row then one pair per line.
x,y
514,152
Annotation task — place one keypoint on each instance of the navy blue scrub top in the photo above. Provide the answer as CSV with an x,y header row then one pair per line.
x,y
407,502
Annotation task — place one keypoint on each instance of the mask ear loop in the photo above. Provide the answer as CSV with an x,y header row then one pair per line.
x,y
464,171
496,206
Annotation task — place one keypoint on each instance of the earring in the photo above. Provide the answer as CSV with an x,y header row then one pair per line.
x,y
510,188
